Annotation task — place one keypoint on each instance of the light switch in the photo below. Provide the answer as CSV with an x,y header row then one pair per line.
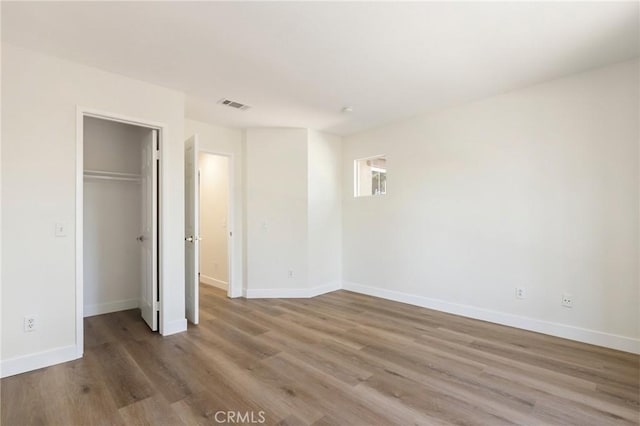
x,y
61,230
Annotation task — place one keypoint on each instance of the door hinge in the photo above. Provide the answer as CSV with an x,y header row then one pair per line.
x,y
156,155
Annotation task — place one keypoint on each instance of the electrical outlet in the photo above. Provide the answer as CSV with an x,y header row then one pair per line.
x,y
30,324
290,273
520,293
567,300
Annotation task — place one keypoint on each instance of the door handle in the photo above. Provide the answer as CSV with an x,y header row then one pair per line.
x,y
189,239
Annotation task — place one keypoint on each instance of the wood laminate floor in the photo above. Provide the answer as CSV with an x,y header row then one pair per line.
x,y
341,358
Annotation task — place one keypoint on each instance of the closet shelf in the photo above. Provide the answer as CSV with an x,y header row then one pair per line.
x,y
115,176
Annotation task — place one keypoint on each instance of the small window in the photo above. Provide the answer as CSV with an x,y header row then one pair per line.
x,y
370,176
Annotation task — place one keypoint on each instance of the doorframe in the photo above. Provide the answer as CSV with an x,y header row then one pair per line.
x,y
231,259
81,113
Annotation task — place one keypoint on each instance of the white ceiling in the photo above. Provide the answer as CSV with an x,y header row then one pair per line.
x,y
298,64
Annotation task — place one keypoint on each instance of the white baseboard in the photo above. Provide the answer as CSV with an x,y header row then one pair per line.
x,y
174,327
222,285
599,338
326,288
277,293
237,292
292,293
22,364
106,308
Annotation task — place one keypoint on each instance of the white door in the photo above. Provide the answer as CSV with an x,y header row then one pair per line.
x,y
149,237
191,224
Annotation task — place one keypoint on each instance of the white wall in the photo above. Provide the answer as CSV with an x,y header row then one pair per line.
x,y
293,212
214,193
39,103
112,217
228,141
276,194
535,188
324,210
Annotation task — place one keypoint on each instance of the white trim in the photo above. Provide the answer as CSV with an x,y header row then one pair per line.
x,y
79,255
234,289
174,327
120,118
22,364
325,288
599,338
163,131
277,293
292,293
223,285
108,307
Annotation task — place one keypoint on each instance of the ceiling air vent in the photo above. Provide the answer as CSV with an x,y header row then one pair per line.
x,y
233,104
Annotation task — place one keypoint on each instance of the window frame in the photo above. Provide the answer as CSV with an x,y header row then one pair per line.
x,y
356,176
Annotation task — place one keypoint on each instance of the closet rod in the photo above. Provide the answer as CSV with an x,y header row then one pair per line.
x,y
121,179
116,176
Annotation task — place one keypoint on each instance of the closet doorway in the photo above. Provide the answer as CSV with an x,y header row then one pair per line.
x,y
118,238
